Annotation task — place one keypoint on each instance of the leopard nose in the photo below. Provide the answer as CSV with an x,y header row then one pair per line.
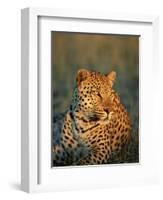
x,y
106,110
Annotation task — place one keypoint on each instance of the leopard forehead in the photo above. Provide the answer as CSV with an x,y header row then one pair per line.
x,y
96,82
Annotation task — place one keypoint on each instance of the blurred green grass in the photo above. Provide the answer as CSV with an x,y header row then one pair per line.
x,y
103,53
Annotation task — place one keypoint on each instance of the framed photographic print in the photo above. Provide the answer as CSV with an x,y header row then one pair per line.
x,y
87,110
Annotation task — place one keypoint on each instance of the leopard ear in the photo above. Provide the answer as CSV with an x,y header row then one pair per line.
x,y
112,76
82,75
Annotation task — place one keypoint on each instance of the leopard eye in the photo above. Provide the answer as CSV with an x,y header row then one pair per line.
x,y
99,95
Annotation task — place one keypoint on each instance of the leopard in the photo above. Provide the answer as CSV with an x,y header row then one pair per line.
x,y
95,126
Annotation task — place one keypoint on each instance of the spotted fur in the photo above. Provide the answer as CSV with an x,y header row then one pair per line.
x,y
95,126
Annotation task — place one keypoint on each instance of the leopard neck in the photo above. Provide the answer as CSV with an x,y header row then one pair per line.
x,y
80,123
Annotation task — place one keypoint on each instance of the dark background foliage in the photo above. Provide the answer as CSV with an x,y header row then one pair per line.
x,y
103,53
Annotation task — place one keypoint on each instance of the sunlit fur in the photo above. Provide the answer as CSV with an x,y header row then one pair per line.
x,y
96,124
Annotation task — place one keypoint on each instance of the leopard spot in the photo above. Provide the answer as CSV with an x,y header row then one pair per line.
x,y
101,144
126,129
94,141
119,127
98,140
94,136
100,136
66,137
117,138
70,145
72,141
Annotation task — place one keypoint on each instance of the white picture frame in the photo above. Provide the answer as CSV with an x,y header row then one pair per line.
x,y
36,171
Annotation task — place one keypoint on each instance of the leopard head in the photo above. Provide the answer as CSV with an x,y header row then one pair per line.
x,y
92,95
